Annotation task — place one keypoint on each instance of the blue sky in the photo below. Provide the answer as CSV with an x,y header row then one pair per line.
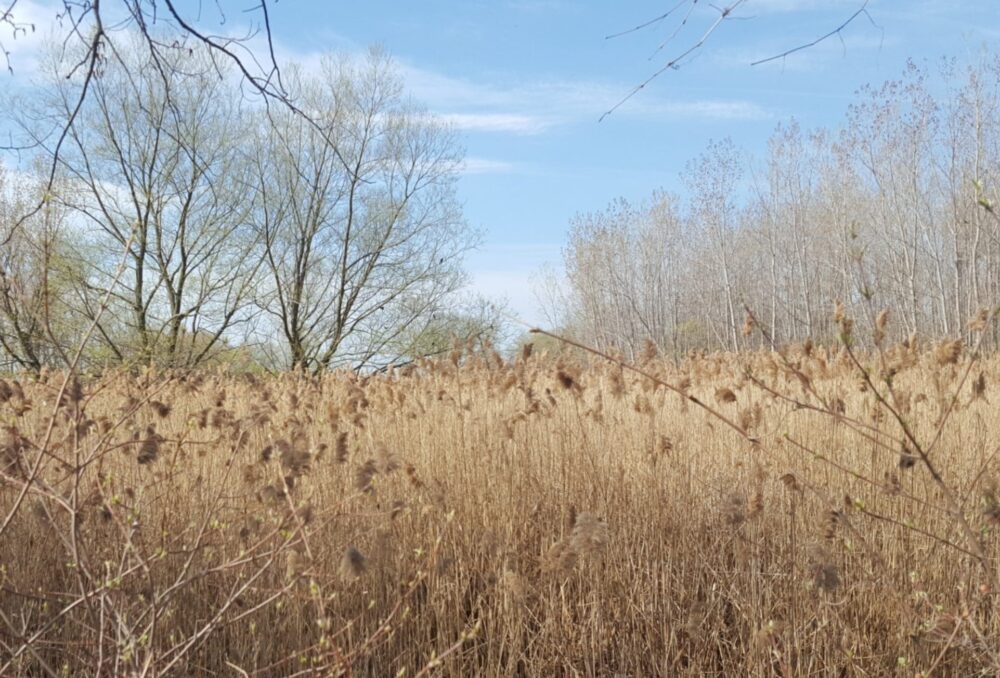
x,y
526,81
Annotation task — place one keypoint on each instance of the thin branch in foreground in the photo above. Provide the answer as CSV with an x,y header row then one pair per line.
x,y
863,10
674,63
647,24
724,14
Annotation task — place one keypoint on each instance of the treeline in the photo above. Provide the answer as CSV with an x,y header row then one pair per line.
x,y
188,223
893,210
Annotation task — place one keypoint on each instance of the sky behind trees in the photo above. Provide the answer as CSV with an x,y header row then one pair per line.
x,y
525,81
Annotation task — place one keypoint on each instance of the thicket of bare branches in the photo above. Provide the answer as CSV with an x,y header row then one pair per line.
x,y
896,205
250,233
360,230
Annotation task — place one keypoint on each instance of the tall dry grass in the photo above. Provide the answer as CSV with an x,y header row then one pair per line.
x,y
534,517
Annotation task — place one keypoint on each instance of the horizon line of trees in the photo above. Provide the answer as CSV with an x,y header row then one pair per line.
x,y
892,210
187,225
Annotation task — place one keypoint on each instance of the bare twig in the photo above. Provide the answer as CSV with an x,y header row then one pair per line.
x,y
862,11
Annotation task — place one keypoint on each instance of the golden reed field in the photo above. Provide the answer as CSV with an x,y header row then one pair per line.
x,y
807,512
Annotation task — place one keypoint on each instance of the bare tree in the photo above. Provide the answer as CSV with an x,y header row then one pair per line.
x,y
625,268
358,222
156,32
894,210
37,271
155,167
713,180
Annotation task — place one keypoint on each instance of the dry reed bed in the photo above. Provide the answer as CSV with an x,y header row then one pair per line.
x,y
478,517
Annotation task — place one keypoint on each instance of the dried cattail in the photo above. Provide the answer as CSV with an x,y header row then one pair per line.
x,y
907,458
271,494
571,517
979,387
352,564
397,508
363,477
294,457
590,534
161,409
768,637
725,395
74,392
978,324
664,445
748,325
251,474
756,504
565,379
342,451
296,564
387,461
791,482
560,558
649,352
839,314
734,508
833,519
305,513
826,576
221,418
837,406
881,323
514,586
991,502
149,449
250,527
846,329
526,350
617,379
411,474
948,352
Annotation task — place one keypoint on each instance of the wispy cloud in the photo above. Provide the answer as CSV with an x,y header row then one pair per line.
x,y
515,123
535,107
474,165
711,109
776,6
536,6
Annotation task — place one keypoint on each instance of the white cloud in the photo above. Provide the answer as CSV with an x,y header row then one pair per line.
x,y
486,166
713,109
775,6
538,106
514,123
